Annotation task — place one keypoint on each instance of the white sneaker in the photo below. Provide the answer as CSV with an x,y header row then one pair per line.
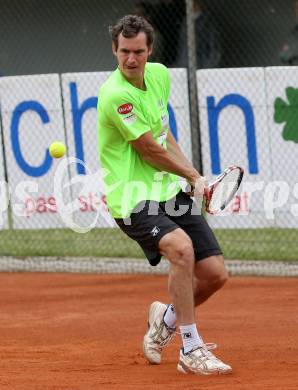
x,y
201,361
158,334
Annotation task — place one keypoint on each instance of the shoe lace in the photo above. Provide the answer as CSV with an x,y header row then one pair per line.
x,y
210,346
158,337
209,354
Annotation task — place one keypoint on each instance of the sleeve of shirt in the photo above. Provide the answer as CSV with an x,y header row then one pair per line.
x,y
126,114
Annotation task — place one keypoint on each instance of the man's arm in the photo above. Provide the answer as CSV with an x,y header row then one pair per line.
x,y
163,159
175,151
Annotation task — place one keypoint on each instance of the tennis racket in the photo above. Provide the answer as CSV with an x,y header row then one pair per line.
x,y
220,192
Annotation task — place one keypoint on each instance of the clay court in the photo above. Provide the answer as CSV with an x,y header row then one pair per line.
x,y
81,332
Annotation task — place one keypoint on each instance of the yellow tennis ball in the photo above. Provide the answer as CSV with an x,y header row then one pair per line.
x,y
57,149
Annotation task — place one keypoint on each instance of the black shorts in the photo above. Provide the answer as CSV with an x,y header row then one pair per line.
x,y
151,220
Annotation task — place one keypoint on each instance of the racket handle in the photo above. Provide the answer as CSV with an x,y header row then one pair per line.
x,y
206,192
189,188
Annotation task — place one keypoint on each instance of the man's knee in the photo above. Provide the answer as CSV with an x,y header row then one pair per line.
x,y
220,279
219,276
211,273
177,247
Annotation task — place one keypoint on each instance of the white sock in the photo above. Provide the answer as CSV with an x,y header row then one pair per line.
x,y
190,337
170,316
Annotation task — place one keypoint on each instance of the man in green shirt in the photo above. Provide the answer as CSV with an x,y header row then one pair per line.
x,y
142,164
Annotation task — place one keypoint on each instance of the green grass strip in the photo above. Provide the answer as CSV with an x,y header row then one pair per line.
x,y
244,244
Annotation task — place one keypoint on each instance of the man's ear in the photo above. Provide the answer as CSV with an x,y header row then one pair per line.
x,y
114,49
150,49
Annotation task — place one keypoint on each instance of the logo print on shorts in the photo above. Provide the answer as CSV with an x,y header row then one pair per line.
x,y
186,335
125,108
154,232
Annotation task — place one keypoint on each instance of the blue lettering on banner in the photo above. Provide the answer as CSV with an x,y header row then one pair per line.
x,y
173,124
77,116
21,108
213,116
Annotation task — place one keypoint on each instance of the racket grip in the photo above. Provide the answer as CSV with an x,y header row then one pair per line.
x,y
189,188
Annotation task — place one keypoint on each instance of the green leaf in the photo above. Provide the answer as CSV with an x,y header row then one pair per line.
x,y
287,112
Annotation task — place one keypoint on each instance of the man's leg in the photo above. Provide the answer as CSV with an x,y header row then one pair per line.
x,y
177,247
194,356
210,275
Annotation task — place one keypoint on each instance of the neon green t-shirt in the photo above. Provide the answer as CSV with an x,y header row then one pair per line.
x,y
124,114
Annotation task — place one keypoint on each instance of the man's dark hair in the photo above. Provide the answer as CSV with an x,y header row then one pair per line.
x,y
130,26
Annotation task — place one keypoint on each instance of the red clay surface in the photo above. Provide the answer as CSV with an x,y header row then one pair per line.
x,y
81,332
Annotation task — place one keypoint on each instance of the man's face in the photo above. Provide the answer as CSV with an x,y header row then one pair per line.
x,y
132,55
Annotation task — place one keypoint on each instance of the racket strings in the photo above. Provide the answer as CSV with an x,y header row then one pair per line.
x,y
225,190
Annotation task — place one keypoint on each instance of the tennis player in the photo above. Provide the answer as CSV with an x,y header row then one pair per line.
x,y
143,163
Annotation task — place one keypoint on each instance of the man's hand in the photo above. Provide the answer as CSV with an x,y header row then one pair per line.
x,y
198,185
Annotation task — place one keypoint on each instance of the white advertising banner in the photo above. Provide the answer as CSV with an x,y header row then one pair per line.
x,y
32,119
248,117
179,110
282,102
80,91
234,131
3,187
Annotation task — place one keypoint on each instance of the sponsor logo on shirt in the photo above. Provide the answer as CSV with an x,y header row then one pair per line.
x,y
160,103
130,119
125,108
164,120
161,138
